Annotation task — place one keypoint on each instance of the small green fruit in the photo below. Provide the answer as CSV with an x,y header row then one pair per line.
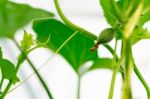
x,y
105,36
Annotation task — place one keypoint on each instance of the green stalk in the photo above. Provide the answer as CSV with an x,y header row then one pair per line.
x,y
137,72
37,74
6,89
72,25
1,83
127,94
111,91
115,70
139,75
78,87
110,49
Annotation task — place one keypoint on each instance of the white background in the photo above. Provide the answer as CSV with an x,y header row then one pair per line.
x,y
59,76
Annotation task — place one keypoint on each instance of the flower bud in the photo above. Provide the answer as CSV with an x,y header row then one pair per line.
x,y
105,36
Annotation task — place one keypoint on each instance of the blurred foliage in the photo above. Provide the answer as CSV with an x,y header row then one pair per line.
x,y
14,16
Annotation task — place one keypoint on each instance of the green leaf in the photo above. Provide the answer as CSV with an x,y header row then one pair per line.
x,y
128,6
146,5
111,12
124,4
8,70
76,51
138,34
27,41
1,54
145,17
102,63
108,12
112,16
14,16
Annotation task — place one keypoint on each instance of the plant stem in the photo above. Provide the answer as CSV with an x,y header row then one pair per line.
x,y
116,68
78,87
110,49
129,66
6,89
111,91
72,25
37,74
137,72
139,75
1,83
